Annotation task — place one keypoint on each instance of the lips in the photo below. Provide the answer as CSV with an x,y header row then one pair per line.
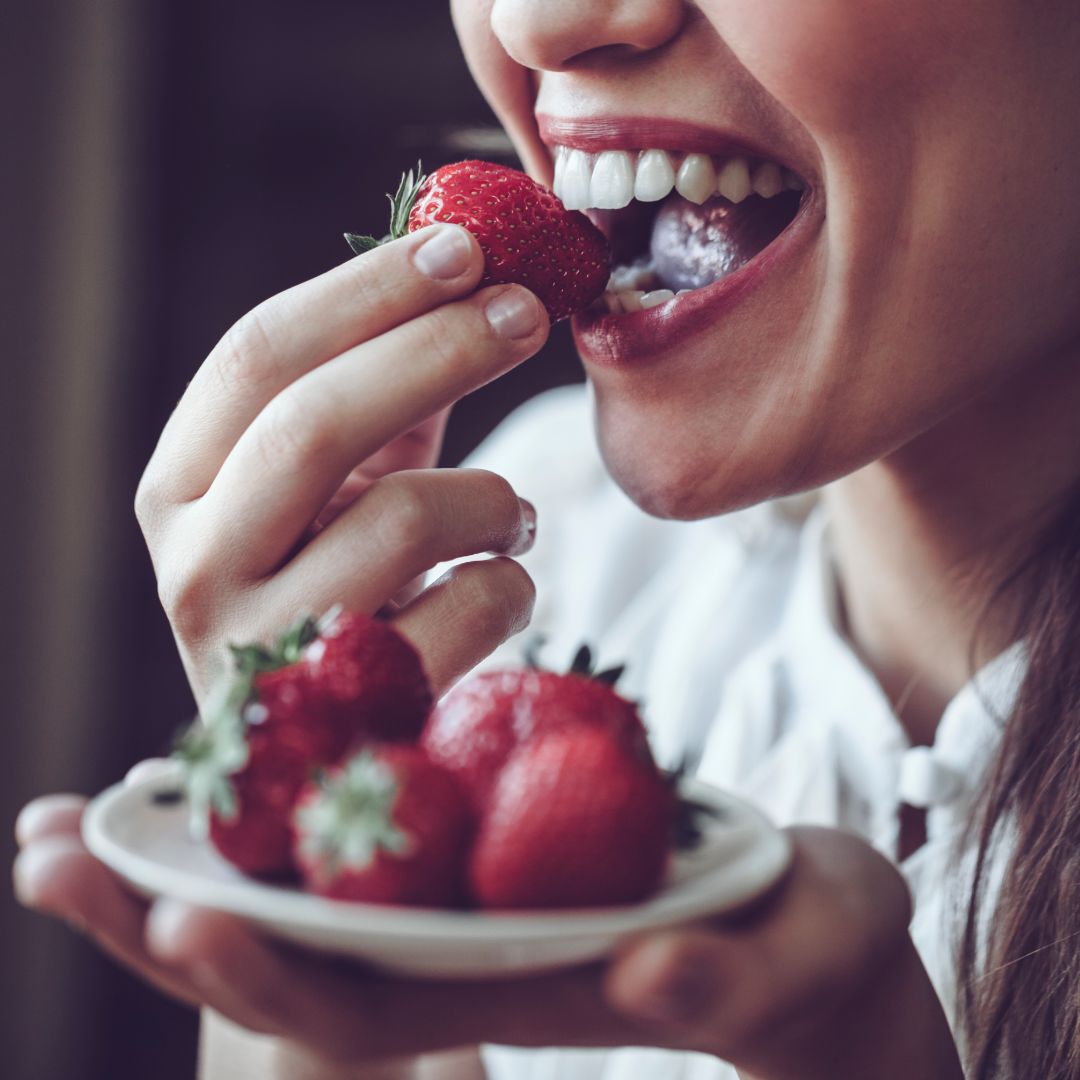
x,y
697,218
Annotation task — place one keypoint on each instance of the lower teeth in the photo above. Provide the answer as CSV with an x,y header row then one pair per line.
x,y
640,275
625,301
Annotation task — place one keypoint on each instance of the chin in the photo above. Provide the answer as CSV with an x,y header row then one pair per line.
x,y
689,463
673,479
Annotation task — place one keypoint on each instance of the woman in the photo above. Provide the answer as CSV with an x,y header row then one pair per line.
x,y
904,337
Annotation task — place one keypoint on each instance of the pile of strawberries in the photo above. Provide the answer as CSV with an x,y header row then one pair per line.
x,y
324,758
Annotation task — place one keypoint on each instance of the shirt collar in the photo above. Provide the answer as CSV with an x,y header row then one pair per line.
x,y
832,687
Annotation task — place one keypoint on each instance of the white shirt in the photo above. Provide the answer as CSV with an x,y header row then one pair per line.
x,y
729,632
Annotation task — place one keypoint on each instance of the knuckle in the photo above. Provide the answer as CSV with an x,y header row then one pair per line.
x,y
288,433
377,277
444,341
404,517
499,597
149,501
244,357
502,512
457,341
497,492
186,593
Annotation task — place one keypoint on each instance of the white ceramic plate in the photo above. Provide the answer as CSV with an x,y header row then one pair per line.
x,y
148,845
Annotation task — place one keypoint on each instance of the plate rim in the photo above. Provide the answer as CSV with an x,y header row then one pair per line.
x,y
270,905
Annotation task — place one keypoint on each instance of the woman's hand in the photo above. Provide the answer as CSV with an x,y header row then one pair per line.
x,y
273,490
819,982
296,471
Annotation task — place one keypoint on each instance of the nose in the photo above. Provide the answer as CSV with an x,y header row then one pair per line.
x,y
556,35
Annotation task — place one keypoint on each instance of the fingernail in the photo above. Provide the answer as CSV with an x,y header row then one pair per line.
x,y
527,531
22,875
448,254
164,926
36,867
514,314
36,815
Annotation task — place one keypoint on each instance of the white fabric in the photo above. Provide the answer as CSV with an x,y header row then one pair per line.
x,y
728,630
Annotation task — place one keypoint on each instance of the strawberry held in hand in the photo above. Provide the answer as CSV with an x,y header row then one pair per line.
x,y
284,711
575,820
387,827
370,676
528,237
476,727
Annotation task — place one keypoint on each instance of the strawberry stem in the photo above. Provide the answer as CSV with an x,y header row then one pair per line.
x,y
401,204
688,824
215,746
361,245
582,664
351,819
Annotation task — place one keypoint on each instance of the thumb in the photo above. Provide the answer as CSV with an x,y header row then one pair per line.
x,y
682,981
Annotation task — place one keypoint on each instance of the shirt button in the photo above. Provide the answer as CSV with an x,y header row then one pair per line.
x,y
925,781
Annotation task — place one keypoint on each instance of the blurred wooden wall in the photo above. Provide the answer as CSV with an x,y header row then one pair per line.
x,y
164,166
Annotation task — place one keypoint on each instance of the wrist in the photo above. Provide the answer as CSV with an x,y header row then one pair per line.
x,y
230,1052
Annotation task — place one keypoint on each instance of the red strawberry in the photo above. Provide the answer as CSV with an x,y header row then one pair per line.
x,y
387,827
282,713
575,820
476,727
359,659
257,838
528,237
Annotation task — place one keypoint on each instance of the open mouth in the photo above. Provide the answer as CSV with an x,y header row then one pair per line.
x,y
677,222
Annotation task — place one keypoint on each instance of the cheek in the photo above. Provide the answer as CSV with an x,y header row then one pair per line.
x,y
830,61
507,86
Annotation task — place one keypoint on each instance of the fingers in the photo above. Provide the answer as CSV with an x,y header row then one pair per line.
x,y
295,455
266,988
53,815
296,331
381,543
840,915
234,971
683,982
56,875
465,615
346,1014
399,528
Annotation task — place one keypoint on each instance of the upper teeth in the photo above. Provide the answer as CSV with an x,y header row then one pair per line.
x,y
611,179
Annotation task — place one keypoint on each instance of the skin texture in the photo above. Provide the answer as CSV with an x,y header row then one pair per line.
x,y
924,348
916,298
826,953
920,355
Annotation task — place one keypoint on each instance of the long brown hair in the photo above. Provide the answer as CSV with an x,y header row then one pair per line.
x,y
1019,954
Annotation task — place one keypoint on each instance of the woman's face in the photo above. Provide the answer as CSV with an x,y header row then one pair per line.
x,y
933,256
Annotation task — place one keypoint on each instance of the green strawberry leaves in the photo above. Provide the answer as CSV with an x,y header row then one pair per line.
x,y
401,204
361,245
215,746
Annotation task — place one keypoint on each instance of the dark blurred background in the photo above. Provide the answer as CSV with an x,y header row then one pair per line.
x,y
165,165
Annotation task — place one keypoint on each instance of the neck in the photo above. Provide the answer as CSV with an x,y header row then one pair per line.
x,y
924,538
